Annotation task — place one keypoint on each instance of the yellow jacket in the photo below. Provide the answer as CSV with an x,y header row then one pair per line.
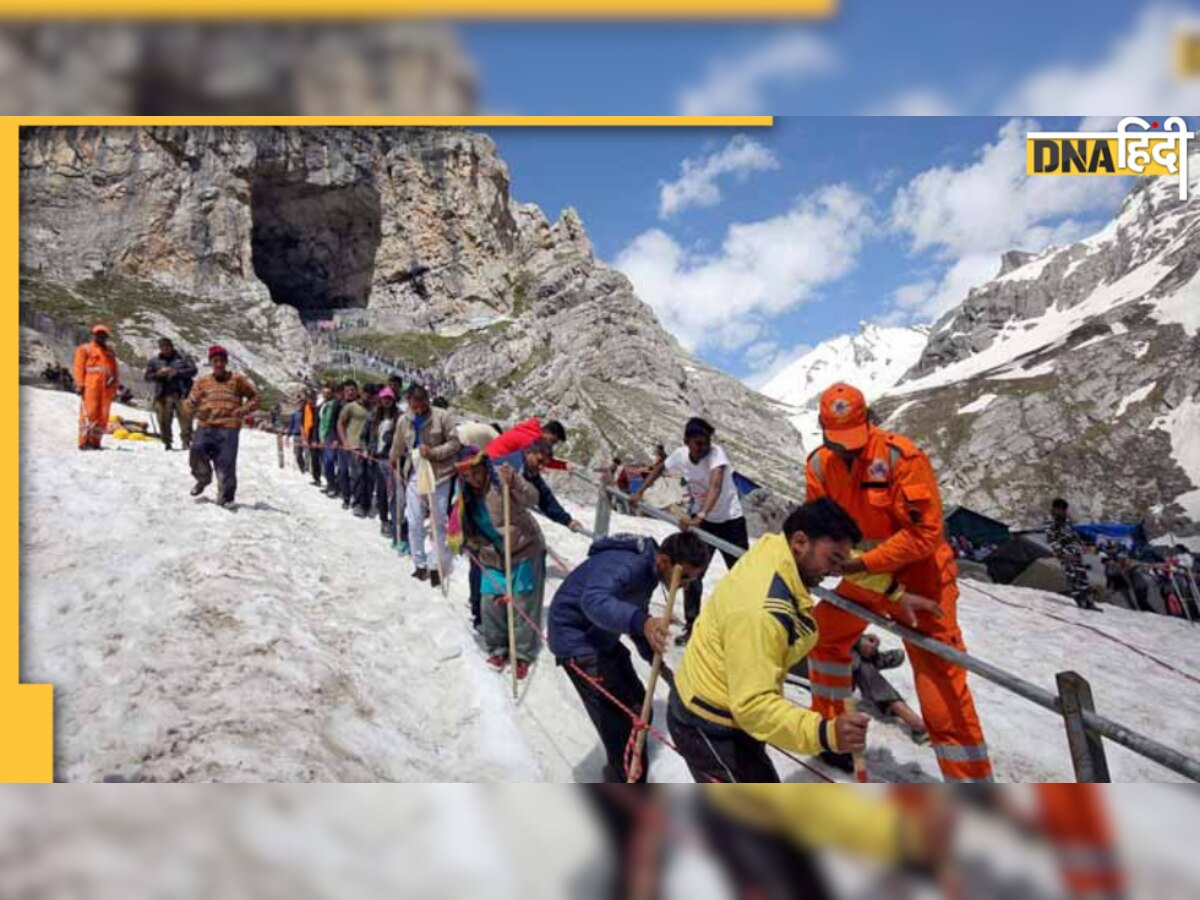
x,y
757,625
818,816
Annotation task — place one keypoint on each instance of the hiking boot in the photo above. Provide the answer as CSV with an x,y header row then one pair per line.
x,y
435,579
224,502
420,573
345,504
359,512
920,737
198,489
385,530
497,661
168,447
522,669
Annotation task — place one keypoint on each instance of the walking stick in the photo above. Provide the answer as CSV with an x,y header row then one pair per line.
x,y
279,448
427,485
635,766
508,588
397,486
860,759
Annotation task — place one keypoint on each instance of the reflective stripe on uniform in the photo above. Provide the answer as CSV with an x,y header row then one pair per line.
x,y
1087,859
97,369
837,670
830,691
988,780
961,752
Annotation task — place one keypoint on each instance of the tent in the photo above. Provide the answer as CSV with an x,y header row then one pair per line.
x,y
743,484
1045,574
1129,536
975,527
1013,557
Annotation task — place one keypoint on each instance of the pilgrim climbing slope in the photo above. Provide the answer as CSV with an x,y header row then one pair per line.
x,y
287,642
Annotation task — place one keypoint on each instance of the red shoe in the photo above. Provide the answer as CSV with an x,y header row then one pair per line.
x,y
498,661
522,670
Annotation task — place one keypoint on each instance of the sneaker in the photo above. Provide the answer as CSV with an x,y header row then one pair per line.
x,y
420,573
920,737
359,512
224,502
186,445
198,489
497,661
522,670
843,762
345,504
168,447
405,549
434,578
385,530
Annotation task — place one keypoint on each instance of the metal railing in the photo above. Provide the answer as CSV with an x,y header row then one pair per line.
x,y
1084,726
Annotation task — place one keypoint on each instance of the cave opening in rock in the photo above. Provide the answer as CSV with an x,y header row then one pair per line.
x,y
313,245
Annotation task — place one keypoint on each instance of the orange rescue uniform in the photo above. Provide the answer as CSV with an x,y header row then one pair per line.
x,y
96,373
892,493
1078,828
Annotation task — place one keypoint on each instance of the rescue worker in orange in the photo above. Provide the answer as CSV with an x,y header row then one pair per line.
x,y
1076,821
888,486
96,376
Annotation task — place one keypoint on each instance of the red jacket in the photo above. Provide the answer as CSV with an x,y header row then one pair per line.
x,y
516,439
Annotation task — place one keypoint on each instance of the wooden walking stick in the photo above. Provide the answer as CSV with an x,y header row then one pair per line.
x,y
860,759
427,485
508,587
279,448
635,766
398,486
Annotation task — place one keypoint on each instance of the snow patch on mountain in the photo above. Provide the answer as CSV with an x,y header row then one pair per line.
x,y
1183,424
872,360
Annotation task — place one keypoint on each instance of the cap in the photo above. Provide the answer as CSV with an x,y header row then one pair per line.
x,y
217,350
101,329
844,416
468,457
387,392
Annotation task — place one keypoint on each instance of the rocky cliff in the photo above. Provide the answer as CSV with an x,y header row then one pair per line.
x,y
1076,372
240,235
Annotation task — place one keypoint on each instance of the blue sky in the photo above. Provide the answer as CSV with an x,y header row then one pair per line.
x,y
614,179
800,231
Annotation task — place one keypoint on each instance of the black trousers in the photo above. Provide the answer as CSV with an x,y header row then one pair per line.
x,y
761,864
715,753
635,847
316,462
301,455
615,671
733,531
216,448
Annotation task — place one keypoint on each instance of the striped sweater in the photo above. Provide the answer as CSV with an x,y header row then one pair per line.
x,y
222,403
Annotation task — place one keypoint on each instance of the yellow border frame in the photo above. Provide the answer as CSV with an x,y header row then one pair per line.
x,y
27,710
314,10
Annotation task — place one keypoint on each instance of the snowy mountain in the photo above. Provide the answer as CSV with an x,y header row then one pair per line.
x,y
286,642
1074,372
873,360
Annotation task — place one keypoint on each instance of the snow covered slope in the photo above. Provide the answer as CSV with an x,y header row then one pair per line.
x,y
873,360
1089,355
284,641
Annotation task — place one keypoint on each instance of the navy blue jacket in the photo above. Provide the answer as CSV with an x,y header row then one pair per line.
x,y
606,596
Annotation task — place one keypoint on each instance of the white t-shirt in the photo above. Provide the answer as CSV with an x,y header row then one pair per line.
x,y
698,475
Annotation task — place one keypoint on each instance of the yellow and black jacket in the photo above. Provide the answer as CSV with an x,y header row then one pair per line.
x,y
818,816
757,625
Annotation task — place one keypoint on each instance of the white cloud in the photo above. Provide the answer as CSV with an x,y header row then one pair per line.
x,y
738,85
1135,77
697,181
916,102
767,359
763,268
970,215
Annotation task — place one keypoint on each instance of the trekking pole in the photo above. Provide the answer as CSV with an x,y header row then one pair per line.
x,y
427,479
508,589
397,486
279,448
1183,601
860,759
635,765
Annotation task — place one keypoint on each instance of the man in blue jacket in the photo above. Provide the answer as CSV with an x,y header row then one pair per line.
x,y
607,596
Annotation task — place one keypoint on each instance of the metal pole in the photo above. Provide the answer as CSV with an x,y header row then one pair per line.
x,y
1114,731
603,513
1087,747
1183,601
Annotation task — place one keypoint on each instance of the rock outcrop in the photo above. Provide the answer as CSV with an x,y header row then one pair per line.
x,y
411,234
